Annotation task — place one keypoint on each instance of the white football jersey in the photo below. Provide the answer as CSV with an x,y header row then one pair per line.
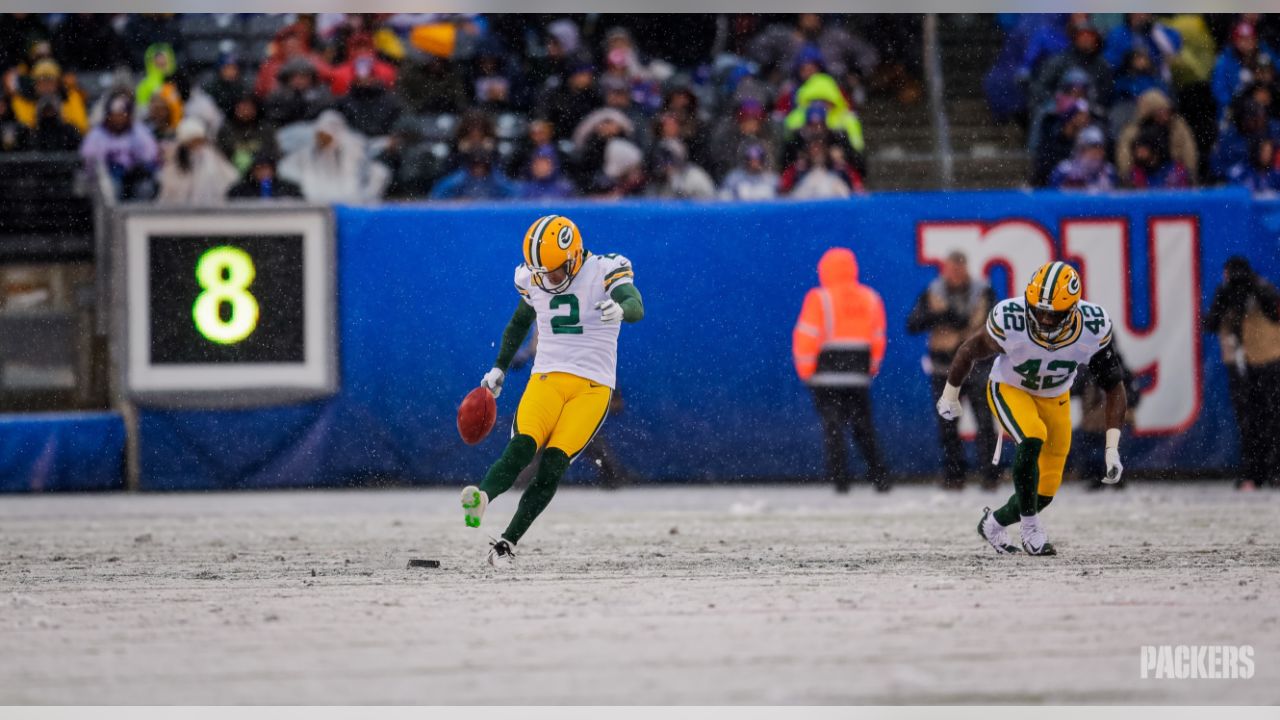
x,y
571,337
1045,370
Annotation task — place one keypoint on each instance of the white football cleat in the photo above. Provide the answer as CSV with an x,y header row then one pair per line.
x,y
995,533
501,553
1034,539
474,501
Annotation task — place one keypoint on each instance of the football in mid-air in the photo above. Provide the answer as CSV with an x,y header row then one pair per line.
x,y
476,415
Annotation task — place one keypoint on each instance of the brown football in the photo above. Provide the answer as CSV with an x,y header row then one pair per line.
x,y
476,415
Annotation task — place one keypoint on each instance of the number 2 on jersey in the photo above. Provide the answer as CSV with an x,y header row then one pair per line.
x,y
565,324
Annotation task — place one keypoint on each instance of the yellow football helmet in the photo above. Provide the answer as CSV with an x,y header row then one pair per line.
x,y
553,243
1052,296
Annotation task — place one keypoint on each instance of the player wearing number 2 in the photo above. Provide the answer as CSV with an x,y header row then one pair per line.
x,y
1039,340
578,300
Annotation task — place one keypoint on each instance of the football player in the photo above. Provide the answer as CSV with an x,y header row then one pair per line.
x,y
579,301
1039,340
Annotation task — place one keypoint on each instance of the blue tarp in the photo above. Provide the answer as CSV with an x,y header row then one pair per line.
x,y
424,292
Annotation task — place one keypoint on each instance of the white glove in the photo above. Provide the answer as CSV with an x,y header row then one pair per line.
x,y
610,311
949,404
1114,468
493,381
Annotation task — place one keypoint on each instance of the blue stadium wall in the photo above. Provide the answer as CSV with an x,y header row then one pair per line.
x,y
711,396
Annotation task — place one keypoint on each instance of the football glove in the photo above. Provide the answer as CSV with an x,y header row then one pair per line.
x,y
949,404
610,311
492,381
1114,468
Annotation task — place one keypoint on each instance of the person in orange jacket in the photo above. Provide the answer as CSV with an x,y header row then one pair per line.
x,y
837,344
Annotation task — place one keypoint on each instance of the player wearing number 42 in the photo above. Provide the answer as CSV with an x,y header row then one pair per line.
x,y
578,300
1039,340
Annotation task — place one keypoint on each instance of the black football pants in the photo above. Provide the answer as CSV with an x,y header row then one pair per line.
x,y
842,408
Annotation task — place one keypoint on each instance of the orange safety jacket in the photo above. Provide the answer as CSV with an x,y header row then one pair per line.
x,y
839,337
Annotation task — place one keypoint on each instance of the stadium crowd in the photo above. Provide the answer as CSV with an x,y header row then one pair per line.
x,y
1144,102
359,107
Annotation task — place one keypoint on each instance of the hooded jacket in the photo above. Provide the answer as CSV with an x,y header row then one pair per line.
x,y
1182,144
821,87
156,80
839,338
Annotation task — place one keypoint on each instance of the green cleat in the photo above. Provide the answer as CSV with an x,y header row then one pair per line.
x,y
474,501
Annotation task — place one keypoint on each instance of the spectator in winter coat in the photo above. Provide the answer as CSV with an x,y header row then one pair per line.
x,y
369,106
291,45
228,85
300,95
676,176
52,133
567,105
1153,168
1136,75
47,80
125,148
1155,111
245,136
262,183
745,128
820,171
194,172
477,179
1087,168
1058,141
334,166
1140,30
591,139
361,62
543,179
496,82
1249,122
821,89
1085,54
409,160
621,173
538,137
160,68
1237,64
751,179
1261,174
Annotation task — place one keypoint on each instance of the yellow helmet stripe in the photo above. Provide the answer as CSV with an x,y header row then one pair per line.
x,y
1051,279
535,239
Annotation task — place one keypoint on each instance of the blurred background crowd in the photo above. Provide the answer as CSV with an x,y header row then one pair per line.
x,y
1142,101
345,107
360,107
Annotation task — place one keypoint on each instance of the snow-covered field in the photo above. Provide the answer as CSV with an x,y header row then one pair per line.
x,y
723,595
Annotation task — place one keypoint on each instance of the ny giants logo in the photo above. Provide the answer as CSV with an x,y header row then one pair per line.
x,y
1167,352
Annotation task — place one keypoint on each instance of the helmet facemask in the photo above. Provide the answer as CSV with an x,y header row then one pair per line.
x,y
555,288
1048,324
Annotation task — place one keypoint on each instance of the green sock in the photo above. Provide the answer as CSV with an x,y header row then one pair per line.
x,y
502,474
538,495
1026,477
1008,513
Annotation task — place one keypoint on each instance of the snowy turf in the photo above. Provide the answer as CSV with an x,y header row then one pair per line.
x,y
722,595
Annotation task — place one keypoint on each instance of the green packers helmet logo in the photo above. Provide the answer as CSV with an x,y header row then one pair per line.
x,y
565,238
1073,285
